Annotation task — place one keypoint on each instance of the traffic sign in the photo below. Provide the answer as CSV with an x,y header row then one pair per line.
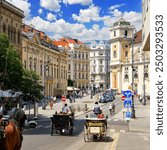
x,y
123,98
127,103
63,98
128,115
127,93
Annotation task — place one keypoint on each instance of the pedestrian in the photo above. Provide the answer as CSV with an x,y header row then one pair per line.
x,y
51,104
96,109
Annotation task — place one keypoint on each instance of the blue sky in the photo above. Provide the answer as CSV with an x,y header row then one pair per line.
x,y
82,19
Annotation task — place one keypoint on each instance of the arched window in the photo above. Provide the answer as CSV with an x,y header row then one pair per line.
x,y
126,77
146,75
136,75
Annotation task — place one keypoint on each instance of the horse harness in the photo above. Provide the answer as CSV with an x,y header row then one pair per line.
x,y
3,124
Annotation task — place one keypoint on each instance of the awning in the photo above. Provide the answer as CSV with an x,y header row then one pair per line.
x,y
9,93
70,88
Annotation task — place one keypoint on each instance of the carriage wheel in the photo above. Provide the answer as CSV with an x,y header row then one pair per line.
x,y
51,129
105,134
86,136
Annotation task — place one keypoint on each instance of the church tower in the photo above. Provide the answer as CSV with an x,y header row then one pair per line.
x,y
120,38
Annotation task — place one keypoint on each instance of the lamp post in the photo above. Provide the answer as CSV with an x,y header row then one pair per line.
x,y
91,89
133,109
144,95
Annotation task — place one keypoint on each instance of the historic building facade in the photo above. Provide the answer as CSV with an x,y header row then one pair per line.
x,y
11,23
146,25
99,64
123,42
78,61
40,54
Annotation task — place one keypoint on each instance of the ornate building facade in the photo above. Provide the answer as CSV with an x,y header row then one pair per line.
x,y
99,64
40,54
123,42
78,61
11,23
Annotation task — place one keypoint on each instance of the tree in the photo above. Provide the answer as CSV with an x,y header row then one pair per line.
x,y
70,82
11,70
31,86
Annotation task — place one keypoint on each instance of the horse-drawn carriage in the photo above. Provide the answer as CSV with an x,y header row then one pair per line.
x,y
95,128
62,123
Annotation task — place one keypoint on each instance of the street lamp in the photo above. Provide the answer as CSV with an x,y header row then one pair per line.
x,y
144,95
91,89
133,109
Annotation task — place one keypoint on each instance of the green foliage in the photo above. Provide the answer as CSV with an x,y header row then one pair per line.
x,y
70,82
12,74
31,86
11,69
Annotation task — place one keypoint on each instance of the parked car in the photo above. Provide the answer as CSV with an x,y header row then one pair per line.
x,y
109,98
102,99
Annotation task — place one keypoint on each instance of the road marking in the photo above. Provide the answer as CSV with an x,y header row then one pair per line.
x,y
115,142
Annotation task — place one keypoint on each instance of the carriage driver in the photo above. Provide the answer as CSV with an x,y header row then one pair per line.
x,y
96,109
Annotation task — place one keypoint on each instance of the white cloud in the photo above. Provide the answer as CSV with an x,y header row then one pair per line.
x,y
116,6
51,17
23,5
87,15
82,2
52,5
40,11
60,28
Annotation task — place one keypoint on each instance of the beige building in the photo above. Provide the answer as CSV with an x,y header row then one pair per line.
x,y
123,41
78,61
11,23
40,54
146,25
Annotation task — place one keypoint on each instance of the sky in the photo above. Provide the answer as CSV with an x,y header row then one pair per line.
x,y
82,19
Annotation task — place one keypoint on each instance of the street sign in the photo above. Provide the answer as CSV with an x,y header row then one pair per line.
x,y
127,103
123,98
127,93
128,115
63,98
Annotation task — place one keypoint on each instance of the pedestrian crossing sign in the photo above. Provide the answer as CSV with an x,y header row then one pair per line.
x,y
127,103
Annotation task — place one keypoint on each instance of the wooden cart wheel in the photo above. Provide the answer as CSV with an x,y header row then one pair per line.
x,y
105,134
51,129
86,136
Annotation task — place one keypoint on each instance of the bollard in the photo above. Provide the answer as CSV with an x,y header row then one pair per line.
x,y
86,107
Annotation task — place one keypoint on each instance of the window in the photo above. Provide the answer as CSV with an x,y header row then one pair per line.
x,y
69,67
126,33
41,69
126,53
94,54
126,77
114,33
25,64
114,54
